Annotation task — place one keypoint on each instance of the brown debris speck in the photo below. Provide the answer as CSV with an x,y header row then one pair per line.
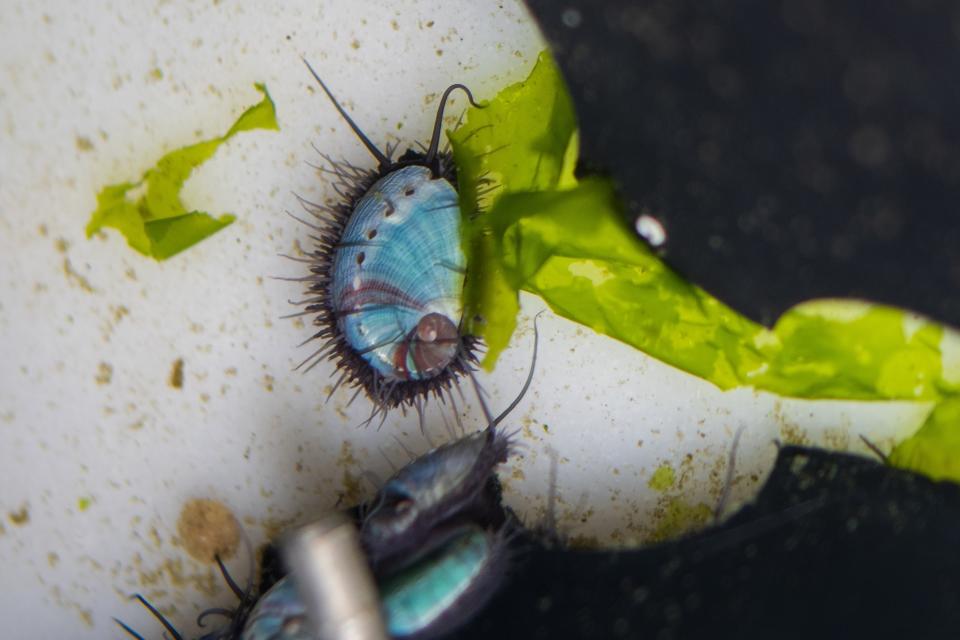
x,y
104,373
352,486
84,144
207,528
172,572
19,517
71,274
176,374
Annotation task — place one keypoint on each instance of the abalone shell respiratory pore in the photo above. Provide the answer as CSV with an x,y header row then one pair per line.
x,y
439,592
397,275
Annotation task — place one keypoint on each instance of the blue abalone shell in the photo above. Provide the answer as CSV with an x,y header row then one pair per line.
x,y
396,287
435,487
440,591
279,615
445,589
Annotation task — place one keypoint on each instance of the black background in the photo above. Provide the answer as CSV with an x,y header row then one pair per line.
x,y
835,546
794,149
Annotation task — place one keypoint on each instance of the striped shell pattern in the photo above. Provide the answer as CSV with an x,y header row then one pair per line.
x,y
397,282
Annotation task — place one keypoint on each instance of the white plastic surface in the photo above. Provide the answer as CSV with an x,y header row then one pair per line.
x,y
98,452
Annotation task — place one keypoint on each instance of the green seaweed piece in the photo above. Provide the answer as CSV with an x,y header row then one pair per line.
x,y
663,478
542,232
592,269
157,224
520,141
678,517
935,449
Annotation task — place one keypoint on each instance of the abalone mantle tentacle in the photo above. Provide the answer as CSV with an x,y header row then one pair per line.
x,y
396,287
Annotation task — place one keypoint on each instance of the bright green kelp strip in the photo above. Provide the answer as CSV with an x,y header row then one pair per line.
x,y
518,142
592,269
935,448
570,244
157,224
